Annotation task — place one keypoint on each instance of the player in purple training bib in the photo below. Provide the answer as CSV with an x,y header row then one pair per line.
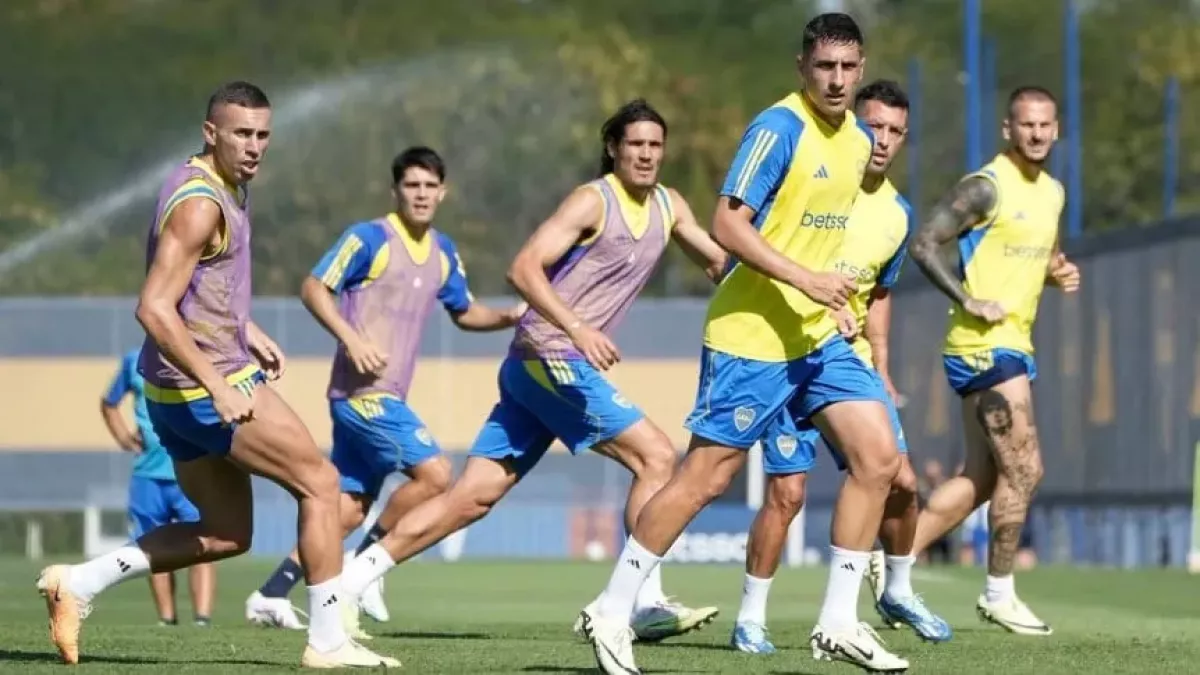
x,y
204,362
374,291
579,272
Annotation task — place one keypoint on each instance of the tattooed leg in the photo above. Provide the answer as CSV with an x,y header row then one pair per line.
x,y
1006,414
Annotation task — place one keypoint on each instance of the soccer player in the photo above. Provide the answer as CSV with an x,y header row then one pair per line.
x,y
373,291
154,495
579,272
205,363
1005,219
772,347
873,252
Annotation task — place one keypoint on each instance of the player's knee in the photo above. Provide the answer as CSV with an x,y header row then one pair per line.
x,y
226,535
1025,474
240,542
785,494
472,505
322,482
315,478
434,476
658,464
705,489
906,479
353,510
706,471
878,467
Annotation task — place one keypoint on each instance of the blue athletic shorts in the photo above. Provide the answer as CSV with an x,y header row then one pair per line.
x,y
375,436
154,502
790,445
544,399
193,429
984,370
739,399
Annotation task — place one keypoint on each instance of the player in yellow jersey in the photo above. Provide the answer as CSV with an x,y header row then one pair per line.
x,y
874,251
772,347
1005,220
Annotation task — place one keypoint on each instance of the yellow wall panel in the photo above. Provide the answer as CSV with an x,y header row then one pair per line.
x,y
53,404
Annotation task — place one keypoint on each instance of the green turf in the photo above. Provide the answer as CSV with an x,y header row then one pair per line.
x,y
516,618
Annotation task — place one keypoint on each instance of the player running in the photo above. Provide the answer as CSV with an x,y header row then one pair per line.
x,y
873,252
1005,220
773,349
579,272
155,498
374,291
204,363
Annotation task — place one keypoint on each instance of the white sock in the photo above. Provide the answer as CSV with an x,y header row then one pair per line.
x,y
651,592
630,572
846,568
365,568
326,632
999,589
88,579
899,576
754,601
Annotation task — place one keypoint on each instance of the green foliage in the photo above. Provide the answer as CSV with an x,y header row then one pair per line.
x,y
62,531
513,93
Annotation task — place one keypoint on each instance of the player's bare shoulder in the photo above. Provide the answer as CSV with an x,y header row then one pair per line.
x,y
197,221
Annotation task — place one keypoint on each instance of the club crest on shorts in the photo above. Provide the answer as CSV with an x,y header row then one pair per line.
x,y
424,436
621,401
786,445
743,417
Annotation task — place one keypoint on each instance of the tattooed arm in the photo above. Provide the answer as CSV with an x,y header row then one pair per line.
x,y
964,207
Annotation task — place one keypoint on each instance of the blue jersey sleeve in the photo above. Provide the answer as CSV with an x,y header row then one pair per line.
x,y
763,158
890,273
348,262
122,382
454,294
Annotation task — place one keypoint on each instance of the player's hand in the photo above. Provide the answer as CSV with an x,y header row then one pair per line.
x,y
595,346
831,289
1064,273
268,354
131,442
366,357
988,310
846,323
890,388
233,405
514,315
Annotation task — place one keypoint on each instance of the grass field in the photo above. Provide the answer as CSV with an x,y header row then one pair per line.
x,y
516,618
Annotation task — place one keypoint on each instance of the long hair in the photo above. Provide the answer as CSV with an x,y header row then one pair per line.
x,y
613,131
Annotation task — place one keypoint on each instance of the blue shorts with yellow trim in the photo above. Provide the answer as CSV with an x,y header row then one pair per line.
x,y
154,502
375,436
190,428
790,445
983,370
544,399
739,399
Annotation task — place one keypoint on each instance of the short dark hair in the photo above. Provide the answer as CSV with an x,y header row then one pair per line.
x,y
239,93
1031,91
421,157
833,27
887,92
613,131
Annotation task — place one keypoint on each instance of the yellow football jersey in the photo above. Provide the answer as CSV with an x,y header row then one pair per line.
x,y
801,176
1005,259
874,249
